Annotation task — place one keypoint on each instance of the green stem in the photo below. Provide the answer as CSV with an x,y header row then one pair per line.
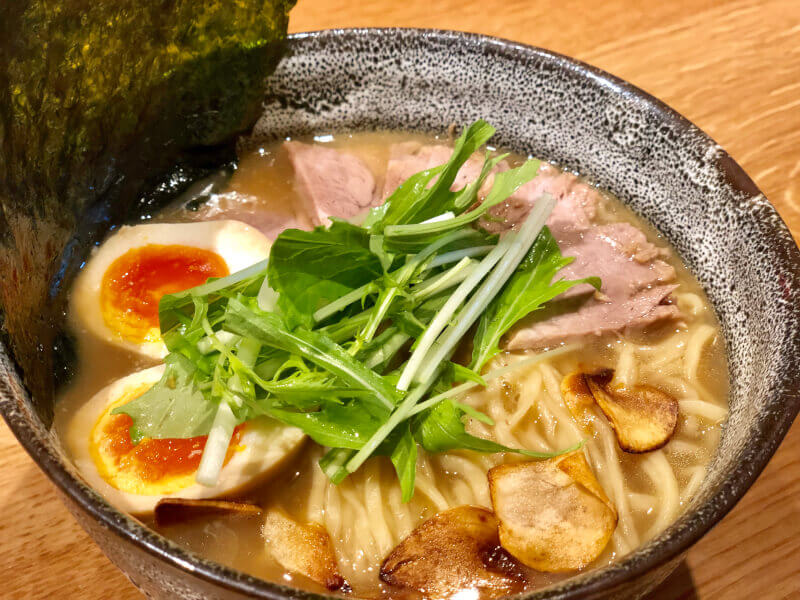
x,y
443,347
447,312
380,310
219,438
345,301
399,415
443,281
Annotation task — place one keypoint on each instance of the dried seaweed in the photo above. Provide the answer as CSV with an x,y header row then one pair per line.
x,y
106,108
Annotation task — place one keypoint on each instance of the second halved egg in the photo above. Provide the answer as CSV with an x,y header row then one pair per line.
x,y
134,477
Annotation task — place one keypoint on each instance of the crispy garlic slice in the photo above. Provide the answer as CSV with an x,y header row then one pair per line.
x,y
453,551
170,511
578,397
302,548
553,514
642,417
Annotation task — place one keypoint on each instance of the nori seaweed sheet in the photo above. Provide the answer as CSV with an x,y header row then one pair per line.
x,y
106,110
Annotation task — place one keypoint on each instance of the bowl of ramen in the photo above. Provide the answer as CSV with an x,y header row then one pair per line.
x,y
464,319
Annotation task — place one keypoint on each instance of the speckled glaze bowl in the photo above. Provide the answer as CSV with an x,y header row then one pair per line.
x,y
586,120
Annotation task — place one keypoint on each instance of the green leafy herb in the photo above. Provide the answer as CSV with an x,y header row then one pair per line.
x,y
415,201
348,332
269,329
310,269
173,407
338,426
404,459
527,291
505,184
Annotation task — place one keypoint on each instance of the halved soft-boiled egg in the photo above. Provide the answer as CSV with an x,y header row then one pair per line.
x,y
116,295
134,477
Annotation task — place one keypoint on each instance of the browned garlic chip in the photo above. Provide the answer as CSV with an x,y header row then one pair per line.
x,y
302,548
170,511
577,397
553,514
642,417
453,551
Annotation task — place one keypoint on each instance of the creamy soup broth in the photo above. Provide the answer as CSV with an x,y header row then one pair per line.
x,y
364,515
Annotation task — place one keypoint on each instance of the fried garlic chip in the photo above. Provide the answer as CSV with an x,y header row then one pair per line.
x,y
170,511
554,515
302,548
577,397
453,551
642,417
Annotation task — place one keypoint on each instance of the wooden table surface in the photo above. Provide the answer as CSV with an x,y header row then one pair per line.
x,y
733,68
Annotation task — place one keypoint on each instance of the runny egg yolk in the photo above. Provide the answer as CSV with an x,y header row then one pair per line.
x,y
153,466
135,282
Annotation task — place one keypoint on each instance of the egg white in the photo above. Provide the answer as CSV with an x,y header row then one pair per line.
x,y
263,447
238,244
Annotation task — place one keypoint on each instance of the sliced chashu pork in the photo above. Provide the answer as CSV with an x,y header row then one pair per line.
x,y
635,293
575,209
330,183
636,281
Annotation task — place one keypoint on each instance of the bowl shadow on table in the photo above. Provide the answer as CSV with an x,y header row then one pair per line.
x,y
678,586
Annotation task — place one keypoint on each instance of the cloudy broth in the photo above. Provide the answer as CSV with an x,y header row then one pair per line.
x,y
364,515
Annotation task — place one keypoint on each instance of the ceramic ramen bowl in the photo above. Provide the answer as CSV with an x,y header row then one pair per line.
x,y
585,120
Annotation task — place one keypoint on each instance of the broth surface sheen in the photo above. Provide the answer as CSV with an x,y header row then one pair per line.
x,y
364,515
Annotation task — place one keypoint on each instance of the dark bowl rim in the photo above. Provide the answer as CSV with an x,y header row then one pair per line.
x,y
669,545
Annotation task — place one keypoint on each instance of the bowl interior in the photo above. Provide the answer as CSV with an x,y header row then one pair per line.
x,y
546,105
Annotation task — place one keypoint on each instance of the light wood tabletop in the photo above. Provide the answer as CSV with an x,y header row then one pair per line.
x,y
733,68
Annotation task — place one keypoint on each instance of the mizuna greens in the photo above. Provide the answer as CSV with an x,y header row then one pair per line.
x,y
348,331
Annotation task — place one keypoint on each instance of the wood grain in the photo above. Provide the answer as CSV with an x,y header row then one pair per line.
x,y
733,68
